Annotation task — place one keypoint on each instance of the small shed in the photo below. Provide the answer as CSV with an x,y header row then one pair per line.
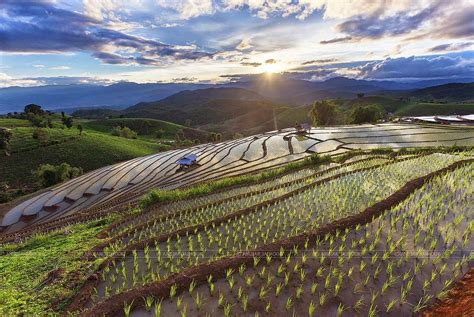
x,y
187,160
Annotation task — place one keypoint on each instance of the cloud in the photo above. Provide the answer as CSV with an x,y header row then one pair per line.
x,y
243,45
60,68
64,31
336,40
270,61
188,8
376,26
451,47
185,80
319,61
425,67
8,81
253,64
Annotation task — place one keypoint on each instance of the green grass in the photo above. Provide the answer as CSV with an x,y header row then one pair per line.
x,y
429,109
24,268
89,151
144,127
12,123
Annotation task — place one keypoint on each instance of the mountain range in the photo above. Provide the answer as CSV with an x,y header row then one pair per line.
x,y
277,89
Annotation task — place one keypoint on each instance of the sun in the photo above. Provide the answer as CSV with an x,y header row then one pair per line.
x,y
272,68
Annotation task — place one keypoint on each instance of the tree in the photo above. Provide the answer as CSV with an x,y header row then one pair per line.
x,y
5,137
124,132
80,128
360,95
324,113
67,121
33,109
366,114
49,175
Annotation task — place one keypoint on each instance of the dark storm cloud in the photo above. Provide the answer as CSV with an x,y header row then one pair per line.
x,y
38,26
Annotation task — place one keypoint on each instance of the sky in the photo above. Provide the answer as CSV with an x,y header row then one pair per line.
x,y
52,42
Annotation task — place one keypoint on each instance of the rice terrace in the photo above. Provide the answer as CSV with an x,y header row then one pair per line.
x,y
236,158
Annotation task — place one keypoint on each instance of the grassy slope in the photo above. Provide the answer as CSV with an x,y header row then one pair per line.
x,y
25,267
426,109
91,150
141,126
11,123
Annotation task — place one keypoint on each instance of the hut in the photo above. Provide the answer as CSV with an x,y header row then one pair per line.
x,y
187,161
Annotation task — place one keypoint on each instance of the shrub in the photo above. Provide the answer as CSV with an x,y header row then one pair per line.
x,y
366,114
37,120
124,132
40,135
48,175
5,137
67,121
324,113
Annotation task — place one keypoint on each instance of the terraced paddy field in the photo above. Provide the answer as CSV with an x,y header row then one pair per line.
x,y
273,224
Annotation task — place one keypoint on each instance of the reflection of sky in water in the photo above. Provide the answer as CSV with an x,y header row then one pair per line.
x,y
224,159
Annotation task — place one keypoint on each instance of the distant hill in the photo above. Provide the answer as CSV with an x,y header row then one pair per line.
x,y
447,92
227,110
148,128
195,98
65,97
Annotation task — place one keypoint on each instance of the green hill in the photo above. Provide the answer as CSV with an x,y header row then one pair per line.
x,y
89,151
455,92
146,128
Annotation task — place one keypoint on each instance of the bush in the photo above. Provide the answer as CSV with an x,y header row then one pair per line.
x,y
124,132
366,114
5,137
49,175
323,113
40,135
37,120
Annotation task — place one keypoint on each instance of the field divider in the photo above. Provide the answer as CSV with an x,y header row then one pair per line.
x,y
458,302
113,306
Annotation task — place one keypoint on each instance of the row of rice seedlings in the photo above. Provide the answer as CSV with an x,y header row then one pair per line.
x,y
190,217
316,206
394,266
208,199
184,204
212,198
